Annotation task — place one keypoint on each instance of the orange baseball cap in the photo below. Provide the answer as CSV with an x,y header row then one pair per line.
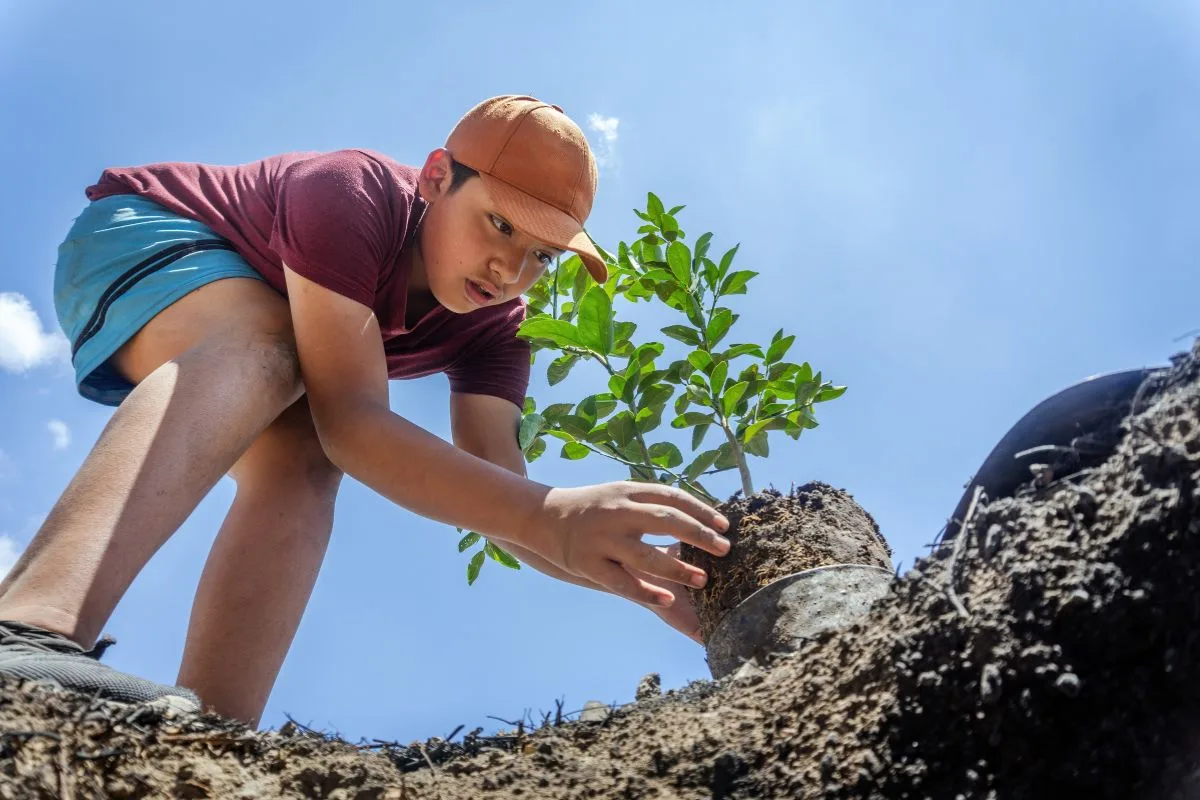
x,y
536,165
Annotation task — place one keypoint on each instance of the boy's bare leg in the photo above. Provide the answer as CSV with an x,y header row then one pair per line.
x,y
262,568
212,371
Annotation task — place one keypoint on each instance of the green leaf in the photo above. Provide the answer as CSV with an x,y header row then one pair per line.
x,y
658,275
563,334
468,541
779,348
622,331
621,428
775,423
719,326
743,350
656,395
574,451
654,206
829,393
501,556
699,395
804,374
758,445
647,419
474,567
701,249
735,283
698,434
665,454
603,404
717,377
683,334
727,261
783,371
556,410
575,424
616,384
680,260
730,400
694,311
699,359
676,210
701,463
648,352
691,418
560,367
536,449
669,226
596,320
587,409
599,434
530,406
805,392
725,457
531,426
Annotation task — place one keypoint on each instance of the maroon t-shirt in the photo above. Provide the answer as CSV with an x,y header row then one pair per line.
x,y
346,220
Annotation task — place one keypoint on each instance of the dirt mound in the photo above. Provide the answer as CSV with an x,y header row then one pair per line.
x,y
774,535
1049,650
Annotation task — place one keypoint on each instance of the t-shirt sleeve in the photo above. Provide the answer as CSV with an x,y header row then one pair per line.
x,y
331,222
499,366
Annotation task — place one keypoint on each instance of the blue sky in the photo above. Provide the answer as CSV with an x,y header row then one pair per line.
x,y
957,210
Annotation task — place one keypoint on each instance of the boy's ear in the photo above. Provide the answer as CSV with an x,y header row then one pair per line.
x,y
436,176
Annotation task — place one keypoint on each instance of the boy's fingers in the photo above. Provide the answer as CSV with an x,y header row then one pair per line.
x,y
684,527
681,500
657,564
619,580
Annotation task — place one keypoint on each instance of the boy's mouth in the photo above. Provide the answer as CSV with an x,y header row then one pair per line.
x,y
481,293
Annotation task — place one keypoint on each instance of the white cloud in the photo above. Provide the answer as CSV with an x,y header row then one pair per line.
x,y
24,343
8,554
61,433
606,127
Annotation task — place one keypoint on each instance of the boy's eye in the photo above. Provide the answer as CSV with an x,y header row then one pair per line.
x,y
501,225
545,258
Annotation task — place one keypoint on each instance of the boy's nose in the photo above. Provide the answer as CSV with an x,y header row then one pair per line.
x,y
509,266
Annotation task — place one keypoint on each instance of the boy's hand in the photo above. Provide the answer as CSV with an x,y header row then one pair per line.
x,y
595,533
681,614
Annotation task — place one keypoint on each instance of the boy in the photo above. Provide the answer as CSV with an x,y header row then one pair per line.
x,y
246,320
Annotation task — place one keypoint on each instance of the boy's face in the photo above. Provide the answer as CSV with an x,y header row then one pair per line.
x,y
471,255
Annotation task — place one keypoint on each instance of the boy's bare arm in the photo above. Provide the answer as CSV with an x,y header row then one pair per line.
x,y
487,427
593,532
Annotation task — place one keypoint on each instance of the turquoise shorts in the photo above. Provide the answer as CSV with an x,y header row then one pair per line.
x,y
124,260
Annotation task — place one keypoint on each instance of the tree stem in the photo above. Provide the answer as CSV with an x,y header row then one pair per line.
x,y
739,455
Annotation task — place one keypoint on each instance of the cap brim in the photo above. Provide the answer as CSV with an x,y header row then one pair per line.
x,y
545,223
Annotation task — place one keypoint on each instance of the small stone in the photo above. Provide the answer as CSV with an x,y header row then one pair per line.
x,y
594,711
1069,684
649,687
1043,474
991,540
1077,597
989,683
748,671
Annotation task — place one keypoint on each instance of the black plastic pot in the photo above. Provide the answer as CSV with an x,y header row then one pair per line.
x,y
1071,430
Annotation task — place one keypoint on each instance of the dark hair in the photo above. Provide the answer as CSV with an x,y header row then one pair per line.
x,y
461,174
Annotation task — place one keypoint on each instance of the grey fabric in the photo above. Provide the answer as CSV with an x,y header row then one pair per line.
x,y
33,653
